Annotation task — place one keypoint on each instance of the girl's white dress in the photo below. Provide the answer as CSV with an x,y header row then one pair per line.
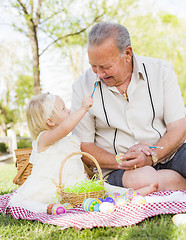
x,y
39,190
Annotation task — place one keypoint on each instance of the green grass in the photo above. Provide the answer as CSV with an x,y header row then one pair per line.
x,y
158,227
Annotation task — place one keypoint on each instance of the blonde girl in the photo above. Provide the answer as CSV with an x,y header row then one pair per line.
x,y
50,123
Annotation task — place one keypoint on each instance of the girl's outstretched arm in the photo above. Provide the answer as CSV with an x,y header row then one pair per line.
x,y
67,125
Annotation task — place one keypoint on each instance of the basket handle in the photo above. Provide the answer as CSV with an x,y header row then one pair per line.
x,y
79,153
21,171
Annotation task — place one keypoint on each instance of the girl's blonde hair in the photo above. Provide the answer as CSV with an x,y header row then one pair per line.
x,y
40,108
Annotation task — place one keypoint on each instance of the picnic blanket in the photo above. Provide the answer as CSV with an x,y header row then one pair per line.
x,y
163,202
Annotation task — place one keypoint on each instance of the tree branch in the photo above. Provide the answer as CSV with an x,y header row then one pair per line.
x,y
32,8
23,7
54,14
38,12
28,17
71,34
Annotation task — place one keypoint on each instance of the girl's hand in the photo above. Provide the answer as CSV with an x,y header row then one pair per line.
x,y
87,103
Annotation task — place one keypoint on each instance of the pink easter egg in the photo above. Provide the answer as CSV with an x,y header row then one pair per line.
x,y
58,209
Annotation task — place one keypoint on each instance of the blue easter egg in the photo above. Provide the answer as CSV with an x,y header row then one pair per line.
x,y
91,206
96,207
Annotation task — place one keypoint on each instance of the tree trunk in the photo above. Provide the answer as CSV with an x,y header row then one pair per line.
x,y
35,56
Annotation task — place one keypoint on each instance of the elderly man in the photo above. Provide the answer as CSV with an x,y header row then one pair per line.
x,y
137,104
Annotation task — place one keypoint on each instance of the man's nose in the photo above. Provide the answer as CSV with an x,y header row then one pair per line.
x,y
100,72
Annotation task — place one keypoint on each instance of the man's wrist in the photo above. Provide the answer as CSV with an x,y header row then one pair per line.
x,y
150,162
154,159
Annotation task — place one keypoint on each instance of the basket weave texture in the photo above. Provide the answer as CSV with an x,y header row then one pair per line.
x,y
76,199
24,168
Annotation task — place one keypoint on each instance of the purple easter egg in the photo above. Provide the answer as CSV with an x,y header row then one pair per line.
x,y
102,200
109,199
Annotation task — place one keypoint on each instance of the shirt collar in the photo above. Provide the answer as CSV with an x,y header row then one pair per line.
x,y
137,67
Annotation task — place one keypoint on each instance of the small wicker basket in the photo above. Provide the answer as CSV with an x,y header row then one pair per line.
x,y
77,199
24,168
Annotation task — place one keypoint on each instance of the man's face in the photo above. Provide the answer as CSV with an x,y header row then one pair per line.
x,y
108,63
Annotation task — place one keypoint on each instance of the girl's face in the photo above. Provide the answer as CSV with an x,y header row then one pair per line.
x,y
61,111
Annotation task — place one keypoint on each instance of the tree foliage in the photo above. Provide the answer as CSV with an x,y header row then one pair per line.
x,y
8,116
24,88
9,67
49,22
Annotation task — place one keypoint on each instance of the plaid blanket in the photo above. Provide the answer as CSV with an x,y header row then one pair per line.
x,y
122,216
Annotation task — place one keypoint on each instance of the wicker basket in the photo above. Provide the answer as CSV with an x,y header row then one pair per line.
x,y
24,168
77,198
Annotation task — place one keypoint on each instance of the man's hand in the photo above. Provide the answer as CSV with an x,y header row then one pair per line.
x,y
142,146
137,156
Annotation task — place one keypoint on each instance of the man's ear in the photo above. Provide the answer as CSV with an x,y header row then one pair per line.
x,y
50,122
128,53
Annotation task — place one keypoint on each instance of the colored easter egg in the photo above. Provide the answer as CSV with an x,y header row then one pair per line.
x,y
67,206
115,195
96,207
85,203
130,194
102,200
92,206
89,205
106,207
109,199
58,209
98,200
138,200
118,157
180,219
121,201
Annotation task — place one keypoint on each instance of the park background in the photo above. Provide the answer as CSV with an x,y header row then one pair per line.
x,y
43,48
157,29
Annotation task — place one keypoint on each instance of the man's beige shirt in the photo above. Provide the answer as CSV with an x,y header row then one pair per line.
x,y
133,119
